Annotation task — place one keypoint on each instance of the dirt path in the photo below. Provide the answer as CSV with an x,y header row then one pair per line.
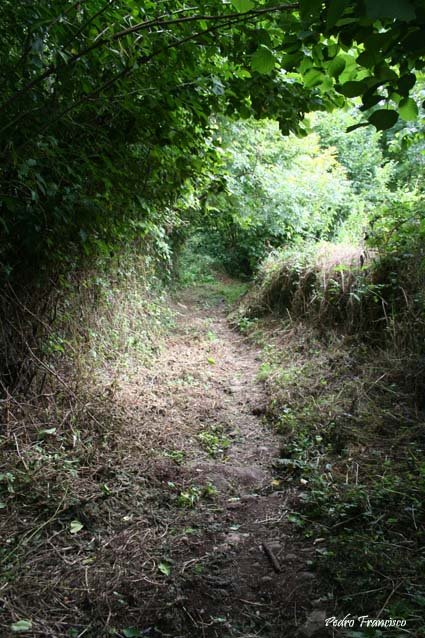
x,y
165,505
215,503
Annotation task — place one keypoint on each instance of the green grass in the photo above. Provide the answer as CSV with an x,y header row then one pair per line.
x,y
230,291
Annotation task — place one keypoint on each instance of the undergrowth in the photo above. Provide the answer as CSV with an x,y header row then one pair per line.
x,y
65,482
378,293
352,420
343,363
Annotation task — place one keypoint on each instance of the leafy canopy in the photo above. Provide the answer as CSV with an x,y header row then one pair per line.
x,y
106,105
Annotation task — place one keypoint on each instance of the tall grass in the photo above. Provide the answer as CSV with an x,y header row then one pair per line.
x,y
358,289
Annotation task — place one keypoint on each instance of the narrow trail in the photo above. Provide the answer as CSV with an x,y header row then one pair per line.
x,y
217,510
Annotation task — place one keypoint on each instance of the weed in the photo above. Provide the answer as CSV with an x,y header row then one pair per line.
x,y
177,456
246,324
213,440
211,336
351,441
189,497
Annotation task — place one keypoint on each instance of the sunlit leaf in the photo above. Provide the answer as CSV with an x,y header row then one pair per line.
x,y
408,109
263,60
21,626
164,568
243,5
75,527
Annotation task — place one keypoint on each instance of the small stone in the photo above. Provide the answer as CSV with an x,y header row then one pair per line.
x,y
235,539
314,623
267,579
290,557
306,576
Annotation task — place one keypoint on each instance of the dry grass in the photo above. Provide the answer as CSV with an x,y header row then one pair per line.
x,y
64,355
352,418
118,516
328,285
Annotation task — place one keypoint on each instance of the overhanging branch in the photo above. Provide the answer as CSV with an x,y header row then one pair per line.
x,y
142,26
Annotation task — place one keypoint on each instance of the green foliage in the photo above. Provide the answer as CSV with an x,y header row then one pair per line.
x,y
106,107
271,190
177,456
191,496
195,266
275,190
21,626
360,153
405,145
214,441
92,152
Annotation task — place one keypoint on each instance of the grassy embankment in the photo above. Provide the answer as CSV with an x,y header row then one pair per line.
x,y
343,363
62,469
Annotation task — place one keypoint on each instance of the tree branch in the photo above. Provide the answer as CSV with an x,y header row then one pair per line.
x,y
142,26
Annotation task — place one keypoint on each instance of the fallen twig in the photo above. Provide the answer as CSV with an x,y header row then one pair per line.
x,y
270,555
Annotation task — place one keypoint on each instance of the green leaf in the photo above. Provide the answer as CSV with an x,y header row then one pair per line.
x,y
21,626
336,66
370,99
408,109
243,5
384,73
352,89
310,8
211,361
368,58
75,527
313,78
406,83
164,568
131,632
335,10
383,119
396,9
263,60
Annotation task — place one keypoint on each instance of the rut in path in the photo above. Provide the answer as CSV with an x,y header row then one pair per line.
x,y
219,519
